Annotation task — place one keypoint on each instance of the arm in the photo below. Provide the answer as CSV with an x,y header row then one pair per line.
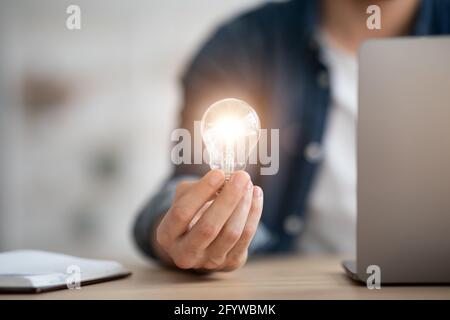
x,y
225,67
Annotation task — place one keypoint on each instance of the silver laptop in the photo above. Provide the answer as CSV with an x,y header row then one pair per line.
x,y
403,161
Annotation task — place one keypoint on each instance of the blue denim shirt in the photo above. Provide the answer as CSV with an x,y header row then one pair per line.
x,y
269,58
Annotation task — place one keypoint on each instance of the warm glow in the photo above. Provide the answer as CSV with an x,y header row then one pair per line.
x,y
229,128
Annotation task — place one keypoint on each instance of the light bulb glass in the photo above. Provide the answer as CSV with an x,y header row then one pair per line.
x,y
230,130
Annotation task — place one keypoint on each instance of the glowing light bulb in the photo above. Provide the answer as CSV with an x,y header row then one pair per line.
x,y
230,130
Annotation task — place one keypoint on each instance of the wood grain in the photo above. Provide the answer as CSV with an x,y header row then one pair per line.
x,y
268,278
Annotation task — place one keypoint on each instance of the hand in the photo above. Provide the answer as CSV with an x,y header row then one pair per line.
x,y
206,230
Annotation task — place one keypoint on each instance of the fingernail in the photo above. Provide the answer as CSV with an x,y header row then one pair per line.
x,y
239,180
257,192
249,186
215,178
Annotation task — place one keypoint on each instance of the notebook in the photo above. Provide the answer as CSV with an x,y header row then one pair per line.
x,y
37,271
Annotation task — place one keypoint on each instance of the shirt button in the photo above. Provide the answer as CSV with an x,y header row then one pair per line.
x,y
313,152
322,79
293,225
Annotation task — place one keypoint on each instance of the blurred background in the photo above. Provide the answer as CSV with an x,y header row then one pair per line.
x,y
86,115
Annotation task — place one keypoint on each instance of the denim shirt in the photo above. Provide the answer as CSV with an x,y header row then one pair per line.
x,y
269,58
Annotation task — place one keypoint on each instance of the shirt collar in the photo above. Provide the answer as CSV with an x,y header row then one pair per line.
x,y
423,24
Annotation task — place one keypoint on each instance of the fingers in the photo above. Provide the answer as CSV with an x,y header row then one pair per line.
x,y
182,188
237,256
230,233
212,221
205,229
199,214
190,198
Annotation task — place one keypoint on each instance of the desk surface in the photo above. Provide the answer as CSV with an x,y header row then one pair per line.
x,y
269,278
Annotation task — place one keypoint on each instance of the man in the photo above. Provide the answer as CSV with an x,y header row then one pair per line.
x,y
295,63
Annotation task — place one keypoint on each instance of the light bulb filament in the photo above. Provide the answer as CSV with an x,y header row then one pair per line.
x,y
230,130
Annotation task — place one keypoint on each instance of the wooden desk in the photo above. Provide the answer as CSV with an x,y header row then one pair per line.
x,y
269,278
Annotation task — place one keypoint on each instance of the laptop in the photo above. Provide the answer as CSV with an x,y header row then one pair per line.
x,y
403,161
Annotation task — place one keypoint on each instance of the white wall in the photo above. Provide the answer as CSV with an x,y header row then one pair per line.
x,y
120,72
